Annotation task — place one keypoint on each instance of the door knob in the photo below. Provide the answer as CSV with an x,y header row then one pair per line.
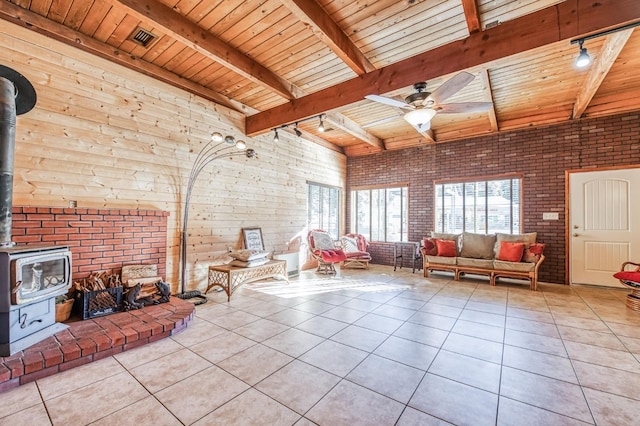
x,y
575,227
575,234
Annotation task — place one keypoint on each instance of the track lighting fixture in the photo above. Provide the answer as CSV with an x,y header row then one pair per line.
x,y
298,132
583,58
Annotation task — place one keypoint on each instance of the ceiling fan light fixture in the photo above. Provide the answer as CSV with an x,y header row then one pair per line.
x,y
419,117
583,59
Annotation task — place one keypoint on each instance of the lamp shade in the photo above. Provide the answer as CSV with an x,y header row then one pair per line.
x,y
419,117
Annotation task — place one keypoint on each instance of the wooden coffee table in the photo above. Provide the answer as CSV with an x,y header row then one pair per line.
x,y
231,277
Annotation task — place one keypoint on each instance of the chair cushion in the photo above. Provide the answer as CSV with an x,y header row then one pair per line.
x,y
322,240
631,278
363,255
349,244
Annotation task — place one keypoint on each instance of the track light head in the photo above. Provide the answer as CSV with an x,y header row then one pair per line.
x,y
321,125
298,132
583,59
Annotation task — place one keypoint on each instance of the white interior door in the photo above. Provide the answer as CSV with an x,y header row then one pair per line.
x,y
604,207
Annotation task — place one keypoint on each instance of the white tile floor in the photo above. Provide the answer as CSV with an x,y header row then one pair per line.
x,y
372,347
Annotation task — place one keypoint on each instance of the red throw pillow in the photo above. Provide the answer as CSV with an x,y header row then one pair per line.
x,y
533,252
429,247
446,248
511,252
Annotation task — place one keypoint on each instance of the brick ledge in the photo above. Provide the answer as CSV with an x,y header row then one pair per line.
x,y
95,339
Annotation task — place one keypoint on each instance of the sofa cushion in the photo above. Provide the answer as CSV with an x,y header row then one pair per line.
x,y
475,263
446,248
502,265
444,236
511,252
533,252
528,238
442,260
429,247
477,246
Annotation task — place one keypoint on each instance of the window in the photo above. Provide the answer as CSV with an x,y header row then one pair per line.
x,y
323,208
380,214
484,207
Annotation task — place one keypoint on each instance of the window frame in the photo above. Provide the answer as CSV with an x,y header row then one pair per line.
x,y
404,188
481,180
335,233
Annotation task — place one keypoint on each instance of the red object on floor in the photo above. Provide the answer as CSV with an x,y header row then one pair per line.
x,y
94,339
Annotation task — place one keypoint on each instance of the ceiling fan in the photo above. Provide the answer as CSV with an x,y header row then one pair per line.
x,y
423,106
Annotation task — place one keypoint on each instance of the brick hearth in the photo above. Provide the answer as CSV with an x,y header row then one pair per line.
x,y
94,339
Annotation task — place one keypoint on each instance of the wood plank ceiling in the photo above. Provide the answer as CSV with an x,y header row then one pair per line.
x,y
283,62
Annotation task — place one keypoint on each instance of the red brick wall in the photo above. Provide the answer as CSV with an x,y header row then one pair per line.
x,y
541,154
100,239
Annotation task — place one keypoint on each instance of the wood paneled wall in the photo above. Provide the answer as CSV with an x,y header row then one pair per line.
x,y
108,137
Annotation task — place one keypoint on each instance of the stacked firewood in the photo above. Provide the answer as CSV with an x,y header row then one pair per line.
x,y
98,282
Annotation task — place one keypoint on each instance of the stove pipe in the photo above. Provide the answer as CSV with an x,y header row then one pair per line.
x,y
17,96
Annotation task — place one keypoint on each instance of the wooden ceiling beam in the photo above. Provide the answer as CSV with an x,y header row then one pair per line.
x,y
347,125
310,13
562,21
428,136
200,40
32,21
290,134
599,69
472,15
487,93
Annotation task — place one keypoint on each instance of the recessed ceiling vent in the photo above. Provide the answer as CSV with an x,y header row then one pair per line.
x,y
143,37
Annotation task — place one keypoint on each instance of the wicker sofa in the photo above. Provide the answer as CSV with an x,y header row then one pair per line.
x,y
495,255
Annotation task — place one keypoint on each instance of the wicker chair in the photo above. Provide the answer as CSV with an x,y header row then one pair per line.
x,y
322,249
629,276
355,247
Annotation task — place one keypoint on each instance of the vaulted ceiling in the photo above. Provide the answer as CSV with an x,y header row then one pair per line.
x,y
282,62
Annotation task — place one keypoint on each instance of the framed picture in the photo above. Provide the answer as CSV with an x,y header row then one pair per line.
x,y
252,238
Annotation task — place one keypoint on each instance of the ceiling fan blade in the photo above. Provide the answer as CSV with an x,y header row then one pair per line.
x,y
465,107
451,87
388,101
